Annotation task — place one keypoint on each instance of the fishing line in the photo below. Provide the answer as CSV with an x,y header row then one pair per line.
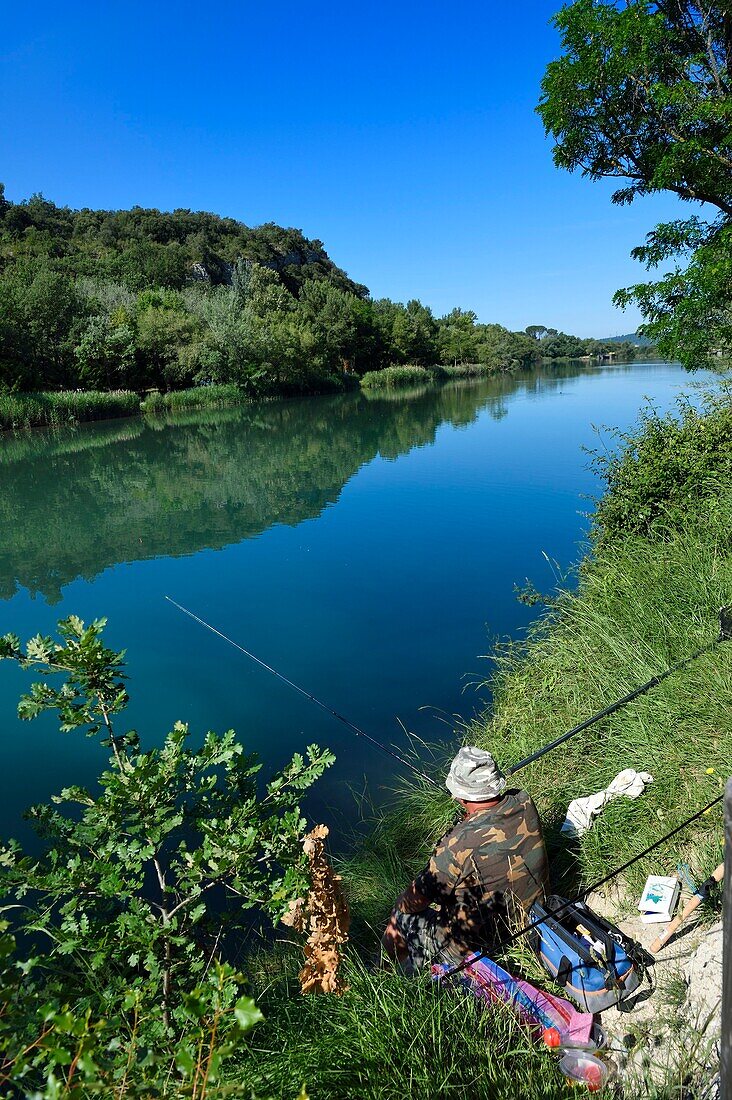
x,y
308,695
725,634
585,893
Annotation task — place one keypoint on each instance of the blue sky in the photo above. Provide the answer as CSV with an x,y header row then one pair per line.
x,y
402,135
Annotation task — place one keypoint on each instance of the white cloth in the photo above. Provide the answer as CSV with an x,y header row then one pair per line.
x,y
582,811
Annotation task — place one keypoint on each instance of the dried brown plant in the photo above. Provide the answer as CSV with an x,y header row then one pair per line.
x,y
323,916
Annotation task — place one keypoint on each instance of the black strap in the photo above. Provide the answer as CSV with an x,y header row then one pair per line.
x,y
588,955
564,972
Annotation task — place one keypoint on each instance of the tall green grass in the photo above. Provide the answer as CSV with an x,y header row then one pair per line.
x,y
388,1038
412,375
199,397
392,377
31,410
641,605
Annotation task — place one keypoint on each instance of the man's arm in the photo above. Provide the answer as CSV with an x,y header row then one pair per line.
x,y
410,901
430,885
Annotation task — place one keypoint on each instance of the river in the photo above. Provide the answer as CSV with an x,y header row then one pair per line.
x,y
366,546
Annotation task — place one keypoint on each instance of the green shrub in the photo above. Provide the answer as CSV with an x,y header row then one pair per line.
x,y
154,403
141,882
667,465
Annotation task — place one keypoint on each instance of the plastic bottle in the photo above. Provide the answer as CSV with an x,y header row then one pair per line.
x,y
585,1069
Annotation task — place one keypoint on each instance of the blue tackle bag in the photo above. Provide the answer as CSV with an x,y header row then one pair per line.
x,y
596,964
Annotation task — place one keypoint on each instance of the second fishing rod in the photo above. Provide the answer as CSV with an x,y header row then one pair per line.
x,y
724,635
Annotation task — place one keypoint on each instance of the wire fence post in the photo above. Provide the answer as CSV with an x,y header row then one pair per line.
x,y
725,1067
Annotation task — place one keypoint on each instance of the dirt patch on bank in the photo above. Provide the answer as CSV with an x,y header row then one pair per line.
x,y
669,1031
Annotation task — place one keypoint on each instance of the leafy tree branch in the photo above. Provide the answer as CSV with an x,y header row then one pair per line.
x,y
145,883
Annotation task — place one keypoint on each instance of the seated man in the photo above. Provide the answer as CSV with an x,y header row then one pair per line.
x,y
490,866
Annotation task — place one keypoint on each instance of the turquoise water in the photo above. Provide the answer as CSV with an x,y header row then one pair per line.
x,y
366,546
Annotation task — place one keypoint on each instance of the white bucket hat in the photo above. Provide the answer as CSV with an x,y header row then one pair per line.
x,y
475,776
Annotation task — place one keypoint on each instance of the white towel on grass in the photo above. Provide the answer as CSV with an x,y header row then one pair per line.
x,y
582,811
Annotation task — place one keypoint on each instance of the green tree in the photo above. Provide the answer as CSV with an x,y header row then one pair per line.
x,y
562,346
342,327
167,340
261,292
105,354
143,881
457,338
504,350
643,92
408,333
40,312
688,310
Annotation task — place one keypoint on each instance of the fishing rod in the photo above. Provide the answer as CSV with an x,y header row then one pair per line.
x,y
308,695
725,634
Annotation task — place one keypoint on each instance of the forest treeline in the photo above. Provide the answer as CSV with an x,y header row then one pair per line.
x,y
139,299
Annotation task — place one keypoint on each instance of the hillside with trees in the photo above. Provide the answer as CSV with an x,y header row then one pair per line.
x,y
139,300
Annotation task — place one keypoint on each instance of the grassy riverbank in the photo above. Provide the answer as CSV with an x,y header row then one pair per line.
x,y
56,409
660,567
19,411
200,397
33,410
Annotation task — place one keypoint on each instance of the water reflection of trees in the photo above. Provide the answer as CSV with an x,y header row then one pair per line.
x,y
76,502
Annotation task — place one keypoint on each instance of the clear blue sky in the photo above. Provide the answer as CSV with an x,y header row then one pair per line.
x,y
402,135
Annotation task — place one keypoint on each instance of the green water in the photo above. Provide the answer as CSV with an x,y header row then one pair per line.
x,y
367,546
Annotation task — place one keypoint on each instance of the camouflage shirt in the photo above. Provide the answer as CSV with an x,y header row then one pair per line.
x,y
487,865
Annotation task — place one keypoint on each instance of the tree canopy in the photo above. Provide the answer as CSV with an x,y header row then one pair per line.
x,y
642,93
146,247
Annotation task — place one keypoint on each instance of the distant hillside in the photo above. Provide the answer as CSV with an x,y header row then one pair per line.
x,y
144,248
629,338
140,300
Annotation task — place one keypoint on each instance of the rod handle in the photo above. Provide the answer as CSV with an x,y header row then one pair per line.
x,y
716,876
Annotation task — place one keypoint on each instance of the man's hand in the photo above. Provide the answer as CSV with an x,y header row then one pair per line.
x,y
411,901
393,942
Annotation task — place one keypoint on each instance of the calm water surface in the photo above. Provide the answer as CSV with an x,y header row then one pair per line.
x,y
368,547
